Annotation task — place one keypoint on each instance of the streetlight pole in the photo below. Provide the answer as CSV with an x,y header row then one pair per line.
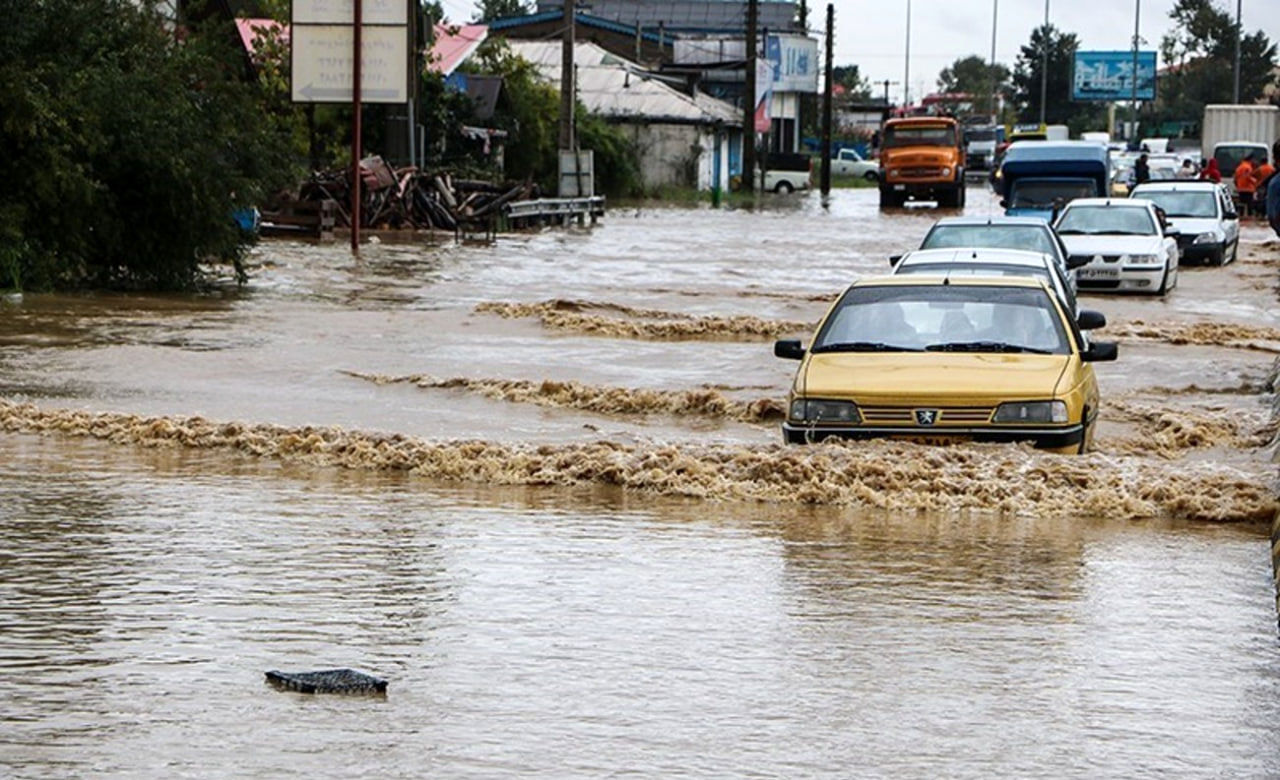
x,y
1044,64
906,73
1235,93
995,87
1133,77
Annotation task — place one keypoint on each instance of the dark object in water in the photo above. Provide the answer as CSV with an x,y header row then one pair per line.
x,y
328,681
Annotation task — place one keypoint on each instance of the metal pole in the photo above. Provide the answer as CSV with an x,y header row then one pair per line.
x,y
906,73
566,75
826,106
1044,65
749,102
995,88
1235,93
1133,77
357,45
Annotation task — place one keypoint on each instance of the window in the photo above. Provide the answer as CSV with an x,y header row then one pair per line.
x,y
1109,220
926,135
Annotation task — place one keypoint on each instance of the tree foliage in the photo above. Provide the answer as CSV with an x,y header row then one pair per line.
x,y
850,77
1059,108
488,10
1200,56
975,76
125,152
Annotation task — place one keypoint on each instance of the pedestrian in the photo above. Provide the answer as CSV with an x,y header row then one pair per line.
x,y
1187,171
1273,194
1212,172
1261,178
1141,170
1244,184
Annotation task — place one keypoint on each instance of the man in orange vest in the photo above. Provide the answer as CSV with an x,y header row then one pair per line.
x,y
1261,178
1244,184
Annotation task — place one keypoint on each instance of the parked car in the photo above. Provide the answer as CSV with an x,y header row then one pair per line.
x,y
1202,213
954,263
1124,244
849,163
914,357
786,173
1027,233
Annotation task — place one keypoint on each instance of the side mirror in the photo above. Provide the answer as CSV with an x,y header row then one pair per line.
x,y
1100,352
1172,232
1231,215
893,260
1077,261
789,349
1091,320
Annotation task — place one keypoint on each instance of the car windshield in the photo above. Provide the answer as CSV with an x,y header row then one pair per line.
x,y
1200,203
1108,220
973,269
950,318
1048,194
927,135
1030,238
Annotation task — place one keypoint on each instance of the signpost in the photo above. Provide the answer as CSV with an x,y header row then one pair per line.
x,y
351,51
1108,75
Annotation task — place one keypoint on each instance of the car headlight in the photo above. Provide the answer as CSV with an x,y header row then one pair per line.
x,y
1031,412
946,171
1142,260
809,410
1208,238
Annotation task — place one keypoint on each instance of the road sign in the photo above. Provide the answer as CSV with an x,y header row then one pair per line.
x,y
324,64
1108,75
343,11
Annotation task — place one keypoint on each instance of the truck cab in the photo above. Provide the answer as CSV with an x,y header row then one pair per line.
x,y
1038,178
980,146
922,158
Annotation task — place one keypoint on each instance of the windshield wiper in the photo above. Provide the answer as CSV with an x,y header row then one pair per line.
x,y
984,346
1072,232
862,346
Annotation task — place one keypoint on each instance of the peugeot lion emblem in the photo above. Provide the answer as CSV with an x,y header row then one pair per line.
x,y
926,416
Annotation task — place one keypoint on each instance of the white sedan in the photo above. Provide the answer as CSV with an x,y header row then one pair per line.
x,y
1125,243
849,163
1203,214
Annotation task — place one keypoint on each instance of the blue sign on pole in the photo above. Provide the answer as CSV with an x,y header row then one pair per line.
x,y
1108,75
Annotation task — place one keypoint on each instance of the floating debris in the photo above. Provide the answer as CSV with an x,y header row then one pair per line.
x,y
347,681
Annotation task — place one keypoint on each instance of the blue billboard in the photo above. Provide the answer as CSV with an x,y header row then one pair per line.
x,y
1108,75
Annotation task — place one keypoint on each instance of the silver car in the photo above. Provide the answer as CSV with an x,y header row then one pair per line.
x,y
990,262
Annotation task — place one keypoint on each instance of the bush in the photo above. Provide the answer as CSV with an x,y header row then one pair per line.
x,y
125,152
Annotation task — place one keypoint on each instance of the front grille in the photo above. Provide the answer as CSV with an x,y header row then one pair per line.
x,y
905,415
1090,258
921,172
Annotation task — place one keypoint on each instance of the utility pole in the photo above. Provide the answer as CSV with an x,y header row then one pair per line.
x,y
749,101
1137,10
995,82
886,84
906,73
826,107
566,76
804,16
1044,65
355,127
1239,31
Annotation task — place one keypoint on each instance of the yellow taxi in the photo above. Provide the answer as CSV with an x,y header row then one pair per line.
x,y
930,358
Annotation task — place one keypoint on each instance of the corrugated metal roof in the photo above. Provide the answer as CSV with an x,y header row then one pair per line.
x,y
619,89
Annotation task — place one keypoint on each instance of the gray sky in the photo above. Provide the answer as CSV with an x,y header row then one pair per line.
x,y
872,33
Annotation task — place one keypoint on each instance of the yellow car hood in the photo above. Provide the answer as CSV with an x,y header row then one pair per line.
x,y
941,378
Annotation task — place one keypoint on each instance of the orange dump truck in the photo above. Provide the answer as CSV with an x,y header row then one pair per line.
x,y
922,158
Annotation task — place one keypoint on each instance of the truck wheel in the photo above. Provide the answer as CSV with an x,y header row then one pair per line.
x,y
784,188
949,199
871,176
961,195
889,199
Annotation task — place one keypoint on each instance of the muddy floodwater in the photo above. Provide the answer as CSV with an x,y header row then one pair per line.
x,y
538,485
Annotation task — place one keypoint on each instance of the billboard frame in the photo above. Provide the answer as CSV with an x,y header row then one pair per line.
x,y
1148,61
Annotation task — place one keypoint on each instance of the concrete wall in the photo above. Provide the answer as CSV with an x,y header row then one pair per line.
x,y
680,155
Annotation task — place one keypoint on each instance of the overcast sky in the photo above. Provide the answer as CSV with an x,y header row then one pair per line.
x,y
872,33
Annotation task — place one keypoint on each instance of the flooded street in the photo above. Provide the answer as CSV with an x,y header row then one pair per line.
x,y
538,485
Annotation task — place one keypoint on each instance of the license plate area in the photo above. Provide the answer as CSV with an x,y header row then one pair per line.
x,y
1098,273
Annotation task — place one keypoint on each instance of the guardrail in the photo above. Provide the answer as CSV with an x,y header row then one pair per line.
x,y
562,210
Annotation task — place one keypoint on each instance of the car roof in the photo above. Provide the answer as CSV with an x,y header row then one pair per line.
x,y
993,220
1116,202
976,256
1178,184
938,281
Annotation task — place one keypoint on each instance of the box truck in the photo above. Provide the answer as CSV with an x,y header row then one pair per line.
x,y
1230,133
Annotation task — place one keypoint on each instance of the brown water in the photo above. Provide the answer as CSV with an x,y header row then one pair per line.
x,y
621,573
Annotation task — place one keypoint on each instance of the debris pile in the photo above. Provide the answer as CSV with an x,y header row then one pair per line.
x,y
398,198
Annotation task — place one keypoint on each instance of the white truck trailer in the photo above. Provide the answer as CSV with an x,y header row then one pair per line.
x,y
1229,133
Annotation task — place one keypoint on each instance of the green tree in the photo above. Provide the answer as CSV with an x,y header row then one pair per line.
x,y
976,77
1199,55
1060,109
850,77
528,109
126,152
488,10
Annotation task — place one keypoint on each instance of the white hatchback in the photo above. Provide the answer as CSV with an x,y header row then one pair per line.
x,y
1125,243
1202,213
